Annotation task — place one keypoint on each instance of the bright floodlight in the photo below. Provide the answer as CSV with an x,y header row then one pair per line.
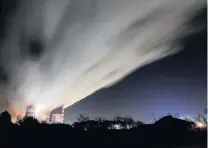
x,y
200,125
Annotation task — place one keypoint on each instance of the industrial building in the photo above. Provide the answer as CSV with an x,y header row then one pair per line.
x,y
56,115
30,111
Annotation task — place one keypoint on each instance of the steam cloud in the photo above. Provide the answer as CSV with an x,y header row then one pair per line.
x,y
57,52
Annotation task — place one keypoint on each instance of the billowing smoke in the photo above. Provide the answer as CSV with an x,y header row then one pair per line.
x,y
58,52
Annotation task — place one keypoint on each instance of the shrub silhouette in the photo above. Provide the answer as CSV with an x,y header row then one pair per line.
x,y
5,119
166,132
28,122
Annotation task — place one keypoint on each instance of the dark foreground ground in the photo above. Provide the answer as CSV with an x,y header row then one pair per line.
x,y
168,132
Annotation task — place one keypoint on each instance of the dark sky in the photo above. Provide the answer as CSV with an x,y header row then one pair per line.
x,y
176,84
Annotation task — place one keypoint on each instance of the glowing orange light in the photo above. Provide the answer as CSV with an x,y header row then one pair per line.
x,y
18,114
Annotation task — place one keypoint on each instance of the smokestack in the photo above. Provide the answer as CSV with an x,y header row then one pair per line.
x,y
30,111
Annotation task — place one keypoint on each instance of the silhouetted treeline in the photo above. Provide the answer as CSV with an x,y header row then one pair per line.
x,y
121,131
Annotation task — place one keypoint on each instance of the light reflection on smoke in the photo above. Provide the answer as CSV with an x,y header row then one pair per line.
x,y
58,52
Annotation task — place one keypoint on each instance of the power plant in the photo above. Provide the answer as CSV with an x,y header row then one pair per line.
x,y
30,111
56,115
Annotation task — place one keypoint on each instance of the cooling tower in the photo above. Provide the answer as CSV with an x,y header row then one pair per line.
x,y
57,115
30,111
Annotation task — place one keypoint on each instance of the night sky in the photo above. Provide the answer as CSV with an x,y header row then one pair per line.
x,y
104,59
176,84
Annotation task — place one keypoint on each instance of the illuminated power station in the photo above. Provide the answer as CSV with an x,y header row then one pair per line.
x,y
56,115
30,111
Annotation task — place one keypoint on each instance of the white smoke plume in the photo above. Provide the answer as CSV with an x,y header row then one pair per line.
x,y
57,52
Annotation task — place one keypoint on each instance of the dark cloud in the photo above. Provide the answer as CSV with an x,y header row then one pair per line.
x,y
35,48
